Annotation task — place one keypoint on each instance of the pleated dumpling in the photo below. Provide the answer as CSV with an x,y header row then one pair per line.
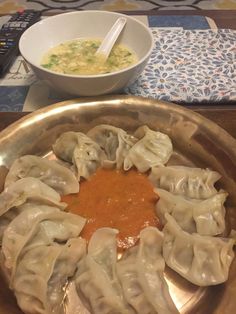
x,y
153,149
26,190
42,274
191,182
206,217
141,273
50,172
96,279
35,226
202,260
114,141
80,150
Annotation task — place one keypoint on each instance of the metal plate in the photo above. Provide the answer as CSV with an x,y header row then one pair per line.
x,y
197,142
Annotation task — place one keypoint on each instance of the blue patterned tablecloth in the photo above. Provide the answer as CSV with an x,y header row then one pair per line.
x,y
190,66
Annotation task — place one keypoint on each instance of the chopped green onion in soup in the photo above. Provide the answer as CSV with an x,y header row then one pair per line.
x,y
78,57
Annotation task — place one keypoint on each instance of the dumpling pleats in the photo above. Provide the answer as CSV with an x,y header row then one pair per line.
x,y
80,150
22,193
115,142
28,189
187,181
141,273
206,217
50,172
42,273
42,225
202,260
152,149
96,280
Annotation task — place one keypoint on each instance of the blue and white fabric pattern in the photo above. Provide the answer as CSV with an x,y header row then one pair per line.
x,y
190,66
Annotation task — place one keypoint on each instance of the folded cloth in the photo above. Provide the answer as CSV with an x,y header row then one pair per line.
x,y
190,66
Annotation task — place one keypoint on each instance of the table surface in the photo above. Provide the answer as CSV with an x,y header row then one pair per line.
x,y
222,18
223,114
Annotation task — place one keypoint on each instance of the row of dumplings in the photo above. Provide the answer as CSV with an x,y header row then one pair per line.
x,y
42,250
193,214
41,247
79,155
133,284
40,242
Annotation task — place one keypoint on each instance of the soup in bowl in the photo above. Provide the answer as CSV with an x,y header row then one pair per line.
x,y
79,56
126,62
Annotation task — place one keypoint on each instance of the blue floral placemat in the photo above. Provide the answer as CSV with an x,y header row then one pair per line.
x,y
190,66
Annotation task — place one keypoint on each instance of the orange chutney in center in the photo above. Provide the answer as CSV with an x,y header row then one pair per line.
x,y
116,199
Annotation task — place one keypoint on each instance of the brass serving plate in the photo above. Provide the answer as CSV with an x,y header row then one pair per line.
x,y
197,141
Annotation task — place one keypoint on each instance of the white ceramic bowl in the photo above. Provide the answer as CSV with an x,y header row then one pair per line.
x,y
51,31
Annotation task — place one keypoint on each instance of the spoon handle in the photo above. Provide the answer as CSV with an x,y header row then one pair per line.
x,y
111,37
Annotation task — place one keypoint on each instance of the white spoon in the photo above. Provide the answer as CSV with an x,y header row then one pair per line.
x,y
110,39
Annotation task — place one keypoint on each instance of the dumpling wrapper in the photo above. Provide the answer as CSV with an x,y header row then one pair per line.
x,y
42,273
28,189
36,226
202,260
58,177
80,150
73,303
96,279
206,217
152,149
115,142
187,181
141,273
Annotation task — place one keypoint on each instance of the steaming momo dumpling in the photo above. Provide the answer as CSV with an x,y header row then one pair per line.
x,y
114,141
50,172
82,151
153,149
206,217
96,280
202,260
187,181
43,272
141,274
39,225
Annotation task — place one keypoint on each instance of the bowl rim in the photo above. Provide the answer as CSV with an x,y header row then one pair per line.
x,y
92,76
